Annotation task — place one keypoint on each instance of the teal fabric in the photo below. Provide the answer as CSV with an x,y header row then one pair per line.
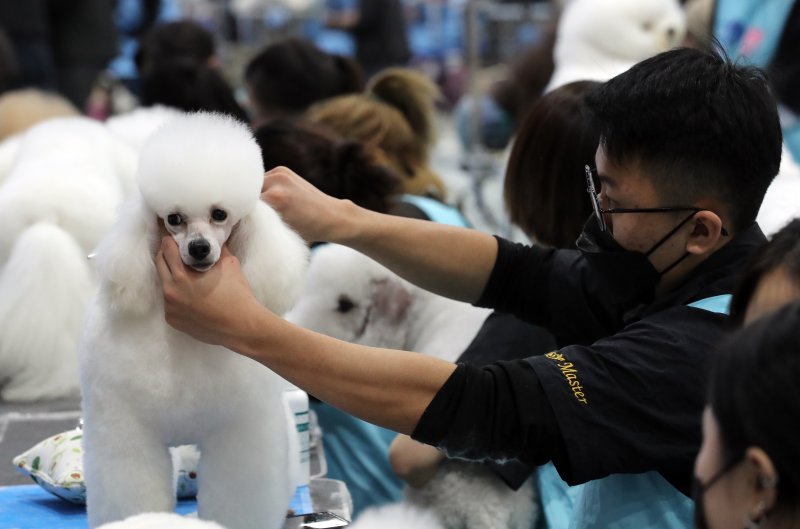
x,y
356,453
719,304
632,501
750,30
437,211
557,499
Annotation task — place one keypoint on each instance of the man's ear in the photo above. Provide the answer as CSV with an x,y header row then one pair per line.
x,y
706,233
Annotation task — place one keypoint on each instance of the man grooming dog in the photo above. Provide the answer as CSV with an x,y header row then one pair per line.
x,y
147,387
689,145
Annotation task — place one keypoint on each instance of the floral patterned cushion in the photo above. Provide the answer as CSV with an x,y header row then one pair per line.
x,y
56,464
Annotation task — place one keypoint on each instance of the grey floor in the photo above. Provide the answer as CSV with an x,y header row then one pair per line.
x,y
24,425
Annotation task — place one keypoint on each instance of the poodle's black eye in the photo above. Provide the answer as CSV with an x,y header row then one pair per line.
x,y
647,26
173,219
219,215
345,304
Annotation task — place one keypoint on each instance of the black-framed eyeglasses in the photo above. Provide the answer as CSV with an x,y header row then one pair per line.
x,y
594,197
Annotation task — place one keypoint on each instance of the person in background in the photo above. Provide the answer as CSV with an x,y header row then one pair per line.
x,y
378,28
27,51
83,40
290,75
772,278
338,167
747,473
396,115
178,67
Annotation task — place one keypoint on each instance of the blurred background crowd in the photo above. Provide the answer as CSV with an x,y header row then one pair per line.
x,y
261,59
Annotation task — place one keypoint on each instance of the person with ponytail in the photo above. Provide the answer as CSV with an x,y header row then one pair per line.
x,y
397,116
747,474
338,167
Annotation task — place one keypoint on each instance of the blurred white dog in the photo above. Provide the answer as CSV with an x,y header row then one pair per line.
x,y
146,386
598,39
351,297
67,179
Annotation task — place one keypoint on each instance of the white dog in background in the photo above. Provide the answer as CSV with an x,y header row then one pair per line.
x,y
351,297
66,182
598,39
146,386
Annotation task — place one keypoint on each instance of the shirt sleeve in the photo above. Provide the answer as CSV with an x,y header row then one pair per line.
x,y
629,403
558,290
495,412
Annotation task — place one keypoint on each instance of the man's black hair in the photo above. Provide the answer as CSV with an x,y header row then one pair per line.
x,y
698,125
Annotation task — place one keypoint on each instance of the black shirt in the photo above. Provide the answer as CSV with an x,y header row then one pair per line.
x,y
627,398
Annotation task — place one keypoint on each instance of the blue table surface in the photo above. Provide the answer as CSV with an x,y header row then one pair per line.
x,y
31,507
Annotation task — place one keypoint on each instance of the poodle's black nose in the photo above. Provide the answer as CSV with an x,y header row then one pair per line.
x,y
199,249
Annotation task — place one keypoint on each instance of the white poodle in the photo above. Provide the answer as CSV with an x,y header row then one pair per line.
x,y
68,177
146,386
351,297
599,39
136,127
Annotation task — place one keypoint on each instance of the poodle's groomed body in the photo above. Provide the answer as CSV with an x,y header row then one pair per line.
x,y
146,386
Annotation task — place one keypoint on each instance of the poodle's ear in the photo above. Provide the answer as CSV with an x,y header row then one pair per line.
x,y
125,259
391,298
273,257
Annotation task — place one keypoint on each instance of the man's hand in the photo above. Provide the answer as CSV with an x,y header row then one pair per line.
x,y
216,306
314,215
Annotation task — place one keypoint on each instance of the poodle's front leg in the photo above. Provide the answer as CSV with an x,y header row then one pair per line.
x,y
127,471
243,478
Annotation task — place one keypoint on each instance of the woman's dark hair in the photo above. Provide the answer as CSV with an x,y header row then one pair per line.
x,y
545,189
288,76
182,39
782,251
174,69
338,167
755,397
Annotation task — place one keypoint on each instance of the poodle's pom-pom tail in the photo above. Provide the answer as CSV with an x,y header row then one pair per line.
x,y
125,260
161,520
397,516
274,258
45,287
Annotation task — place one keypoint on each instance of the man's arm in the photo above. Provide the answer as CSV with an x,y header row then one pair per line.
x,y
385,387
450,261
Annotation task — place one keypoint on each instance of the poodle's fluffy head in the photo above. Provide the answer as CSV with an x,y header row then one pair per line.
x,y
349,296
201,174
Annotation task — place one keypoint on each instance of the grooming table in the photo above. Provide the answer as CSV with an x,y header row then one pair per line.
x,y
24,505
32,507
